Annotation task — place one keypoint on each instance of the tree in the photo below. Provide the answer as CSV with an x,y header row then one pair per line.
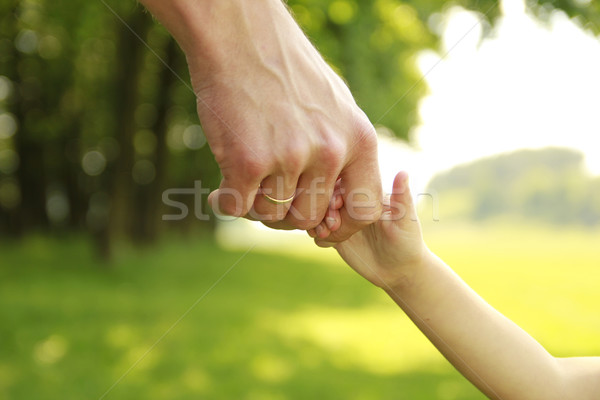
x,y
94,126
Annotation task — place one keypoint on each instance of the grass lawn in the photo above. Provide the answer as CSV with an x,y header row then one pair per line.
x,y
274,327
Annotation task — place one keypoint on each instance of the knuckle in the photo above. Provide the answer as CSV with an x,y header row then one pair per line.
x,y
364,130
252,167
294,160
332,153
299,220
367,135
220,154
305,224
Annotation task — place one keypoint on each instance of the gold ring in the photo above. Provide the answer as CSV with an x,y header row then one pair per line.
x,y
277,201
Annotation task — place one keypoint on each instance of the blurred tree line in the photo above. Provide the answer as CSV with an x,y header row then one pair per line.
x,y
548,185
97,118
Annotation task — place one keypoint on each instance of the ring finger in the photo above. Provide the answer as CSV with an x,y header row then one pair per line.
x,y
274,198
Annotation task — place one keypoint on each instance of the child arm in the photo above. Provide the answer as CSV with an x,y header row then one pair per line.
x,y
495,354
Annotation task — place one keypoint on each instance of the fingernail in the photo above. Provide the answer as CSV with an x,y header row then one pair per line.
x,y
405,180
330,221
319,230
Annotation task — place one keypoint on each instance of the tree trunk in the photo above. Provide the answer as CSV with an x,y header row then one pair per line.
x,y
148,217
130,51
31,212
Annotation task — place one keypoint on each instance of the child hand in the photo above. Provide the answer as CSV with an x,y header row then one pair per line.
x,y
387,251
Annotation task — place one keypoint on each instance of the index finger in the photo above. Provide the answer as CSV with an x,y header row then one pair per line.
x,y
234,196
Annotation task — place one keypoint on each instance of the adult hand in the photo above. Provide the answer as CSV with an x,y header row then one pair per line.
x,y
279,121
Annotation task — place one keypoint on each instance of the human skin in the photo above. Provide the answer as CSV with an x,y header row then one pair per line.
x,y
276,116
495,354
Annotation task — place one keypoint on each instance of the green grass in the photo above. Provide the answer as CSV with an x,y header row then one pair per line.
x,y
545,279
275,327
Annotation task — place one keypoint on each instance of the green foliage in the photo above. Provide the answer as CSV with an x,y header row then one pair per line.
x,y
100,120
373,45
587,11
547,185
93,125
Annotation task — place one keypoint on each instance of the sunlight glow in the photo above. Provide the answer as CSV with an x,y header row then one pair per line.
x,y
528,84
340,335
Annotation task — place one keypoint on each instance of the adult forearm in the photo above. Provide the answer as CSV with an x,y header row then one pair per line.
x,y
495,354
214,34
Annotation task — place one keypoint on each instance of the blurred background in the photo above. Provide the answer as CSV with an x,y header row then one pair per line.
x,y
491,107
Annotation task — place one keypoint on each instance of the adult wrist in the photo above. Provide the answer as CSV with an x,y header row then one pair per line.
x,y
184,19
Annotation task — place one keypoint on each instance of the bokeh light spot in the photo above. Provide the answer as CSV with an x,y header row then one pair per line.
x,y
51,350
6,87
93,163
193,137
27,41
175,137
342,11
8,125
57,206
49,47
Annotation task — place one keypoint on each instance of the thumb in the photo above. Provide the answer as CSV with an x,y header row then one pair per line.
x,y
401,201
362,197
